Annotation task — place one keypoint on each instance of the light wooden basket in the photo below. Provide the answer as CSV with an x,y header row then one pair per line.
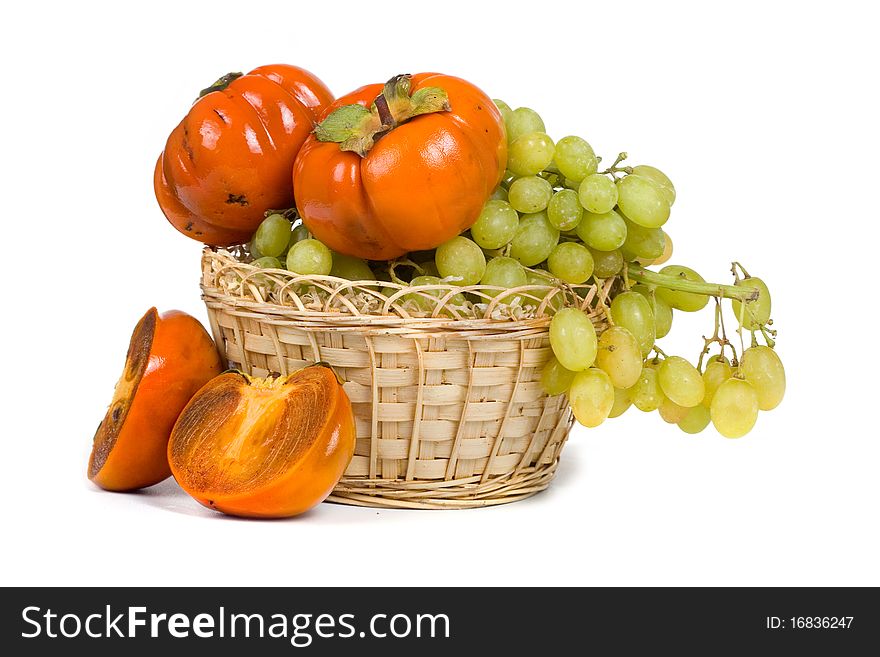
x,y
448,402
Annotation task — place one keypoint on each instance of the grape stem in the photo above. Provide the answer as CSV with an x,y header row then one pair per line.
x,y
767,336
614,169
721,340
642,275
288,213
733,267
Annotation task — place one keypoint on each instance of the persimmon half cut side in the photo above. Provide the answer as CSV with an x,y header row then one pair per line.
x,y
264,448
169,358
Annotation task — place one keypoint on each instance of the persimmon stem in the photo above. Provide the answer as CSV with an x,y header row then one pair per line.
x,y
221,83
356,128
384,111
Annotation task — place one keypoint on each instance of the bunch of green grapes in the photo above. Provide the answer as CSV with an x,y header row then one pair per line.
x,y
580,223
555,212
558,221
606,375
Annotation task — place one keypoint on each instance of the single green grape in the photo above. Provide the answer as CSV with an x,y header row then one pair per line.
x,y
606,263
536,296
671,412
272,235
667,250
267,262
598,194
427,301
529,154
555,379
653,363
681,382
662,317
309,257
575,160
461,261
350,268
716,372
564,210
662,310
570,262
503,107
506,273
500,194
665,184
603,232
534,240
619,356
756,313
696,420
633,312
641,242
298,234
530,194
687,301
646,394
591,396
522,121
496,225
622,402
642,201
762,367
573,339
734,409
428,268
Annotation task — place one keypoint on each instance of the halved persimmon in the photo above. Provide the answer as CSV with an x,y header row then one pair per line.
x,y
169,358
264,448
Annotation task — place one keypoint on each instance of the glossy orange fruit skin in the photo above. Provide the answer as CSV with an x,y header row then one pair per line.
x,y
209,430
181,359
421,184
229,160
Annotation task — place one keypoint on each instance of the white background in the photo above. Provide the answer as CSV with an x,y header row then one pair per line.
x,y
763,114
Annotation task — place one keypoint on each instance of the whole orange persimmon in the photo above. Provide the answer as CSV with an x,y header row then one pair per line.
x,y
400,167
230,158
169,358
264,448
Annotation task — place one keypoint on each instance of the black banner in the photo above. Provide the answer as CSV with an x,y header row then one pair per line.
x,y
319,621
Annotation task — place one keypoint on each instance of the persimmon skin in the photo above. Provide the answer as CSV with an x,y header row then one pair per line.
x,y
181,359
229,159
298,485
421,184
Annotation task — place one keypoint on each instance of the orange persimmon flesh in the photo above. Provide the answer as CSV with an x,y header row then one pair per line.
x,y
264,448
169,358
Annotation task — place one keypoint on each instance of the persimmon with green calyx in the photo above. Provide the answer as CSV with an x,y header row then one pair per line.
x,y
229,159
264,448
399,167
169,358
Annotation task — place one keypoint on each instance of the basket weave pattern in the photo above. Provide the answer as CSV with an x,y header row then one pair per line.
x,y
449,409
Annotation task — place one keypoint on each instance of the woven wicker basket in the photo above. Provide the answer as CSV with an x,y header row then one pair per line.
x,y
448,402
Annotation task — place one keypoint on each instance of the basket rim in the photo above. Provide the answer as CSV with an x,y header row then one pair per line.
x,y
250,298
